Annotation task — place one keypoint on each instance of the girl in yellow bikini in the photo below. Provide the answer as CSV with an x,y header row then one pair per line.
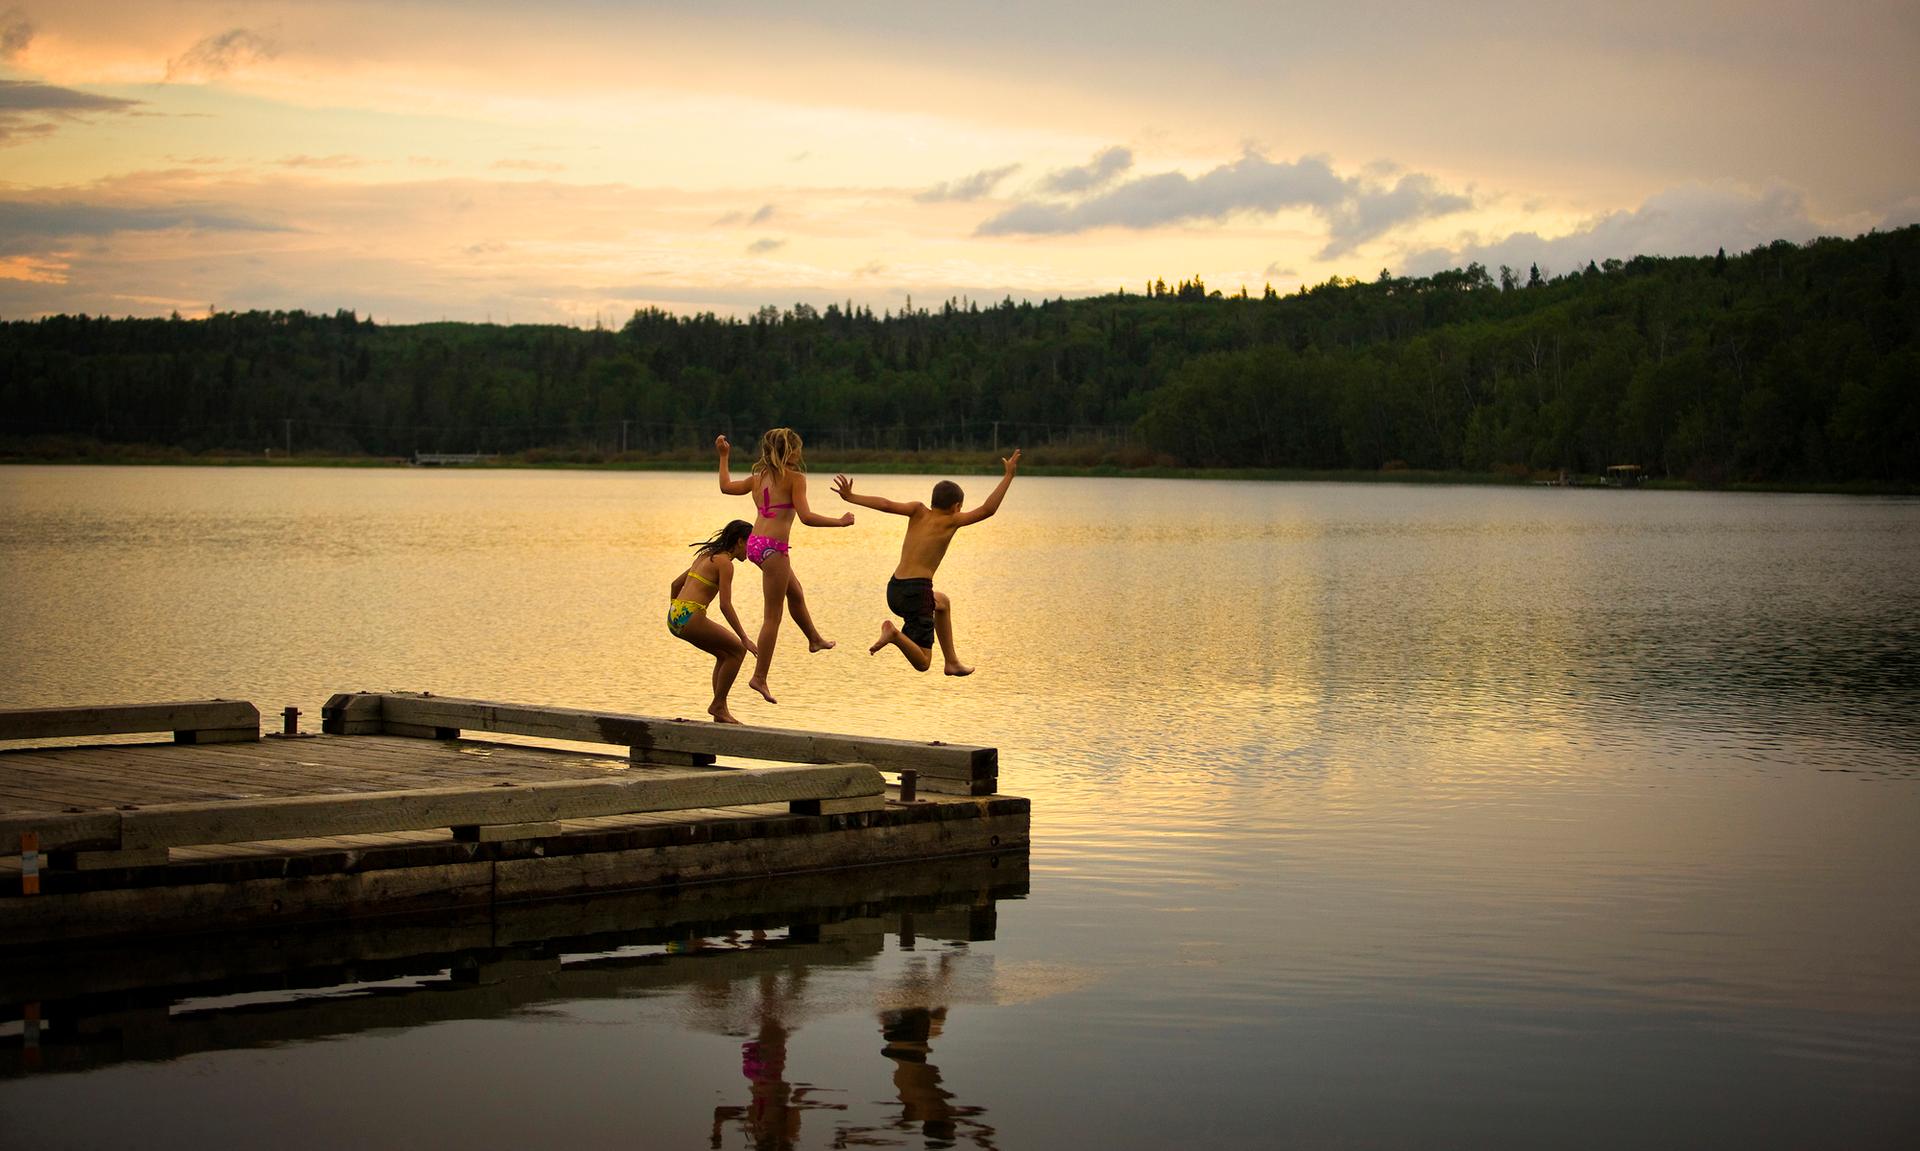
x,y
711,575
778,485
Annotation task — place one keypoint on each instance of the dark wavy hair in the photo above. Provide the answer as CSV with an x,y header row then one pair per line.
x,y
724,540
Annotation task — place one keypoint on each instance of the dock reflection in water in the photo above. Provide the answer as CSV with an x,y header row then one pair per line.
x,y
741,960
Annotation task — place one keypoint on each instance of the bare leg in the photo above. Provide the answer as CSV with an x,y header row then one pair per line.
x,y
916,655
725,669
775,572
797,604
943,631
728,654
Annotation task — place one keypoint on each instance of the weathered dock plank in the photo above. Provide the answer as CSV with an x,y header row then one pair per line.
x,y
942,767
104,770
60,831
190,721
240,821
578,793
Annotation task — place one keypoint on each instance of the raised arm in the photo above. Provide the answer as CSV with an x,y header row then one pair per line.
x,y
844,486
992,503
807,515
728,484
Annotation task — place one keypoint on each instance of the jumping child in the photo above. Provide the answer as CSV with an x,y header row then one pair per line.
x,y
926,613
778,485
711,575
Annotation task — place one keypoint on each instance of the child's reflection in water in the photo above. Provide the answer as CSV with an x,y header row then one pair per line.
x,y
909,1032
771,1119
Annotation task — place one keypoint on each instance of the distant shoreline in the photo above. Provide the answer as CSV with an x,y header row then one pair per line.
x,y
933,463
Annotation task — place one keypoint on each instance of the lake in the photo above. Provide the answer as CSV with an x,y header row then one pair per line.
x,y
1363,815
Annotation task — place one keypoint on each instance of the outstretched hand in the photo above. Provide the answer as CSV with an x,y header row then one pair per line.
x,y
1011,463
844,487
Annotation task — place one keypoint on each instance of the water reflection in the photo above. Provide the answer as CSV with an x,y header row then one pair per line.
x,y
742,959
915,1015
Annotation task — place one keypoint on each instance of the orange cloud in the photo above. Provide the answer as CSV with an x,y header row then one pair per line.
x,y
220,54
33,269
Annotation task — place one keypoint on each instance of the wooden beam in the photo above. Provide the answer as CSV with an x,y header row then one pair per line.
x,y
351,713
244,821
671,758
61,830
218,735
837,806
942,766
102,860
225,716
502,832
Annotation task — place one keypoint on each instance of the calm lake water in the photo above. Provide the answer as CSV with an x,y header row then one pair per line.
x,y
1364,815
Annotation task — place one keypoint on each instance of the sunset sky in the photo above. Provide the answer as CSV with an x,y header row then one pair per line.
x,y
572,161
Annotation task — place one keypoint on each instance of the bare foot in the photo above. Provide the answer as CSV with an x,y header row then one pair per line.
x,y
721,715
888,633
814,645
959,669
760,685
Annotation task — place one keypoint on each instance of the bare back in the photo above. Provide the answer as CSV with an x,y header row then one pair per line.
x,y
773,504
704,583
929,531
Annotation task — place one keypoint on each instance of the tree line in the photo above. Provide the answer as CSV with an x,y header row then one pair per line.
x,y
1788,363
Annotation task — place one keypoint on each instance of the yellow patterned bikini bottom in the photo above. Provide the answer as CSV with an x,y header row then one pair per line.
x,y
680,611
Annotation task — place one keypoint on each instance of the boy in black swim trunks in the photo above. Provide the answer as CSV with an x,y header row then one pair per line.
x,y
928,614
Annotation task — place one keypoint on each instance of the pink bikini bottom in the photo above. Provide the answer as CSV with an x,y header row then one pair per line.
x,y
758,547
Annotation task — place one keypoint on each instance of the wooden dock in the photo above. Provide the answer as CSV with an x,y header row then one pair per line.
x,y
402,806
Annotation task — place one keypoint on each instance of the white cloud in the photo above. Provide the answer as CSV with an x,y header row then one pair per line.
x,y
967,187
220,54
32,110
1371,212
336,161
1687,220
37,225
1355,210
1095,174
16,32
1902,214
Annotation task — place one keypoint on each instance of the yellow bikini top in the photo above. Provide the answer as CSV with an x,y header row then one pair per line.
x,y
691,574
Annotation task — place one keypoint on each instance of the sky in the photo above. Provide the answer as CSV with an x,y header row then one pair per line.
x,y
574,160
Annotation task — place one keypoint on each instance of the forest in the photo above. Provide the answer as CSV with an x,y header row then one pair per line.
x,y
1790,363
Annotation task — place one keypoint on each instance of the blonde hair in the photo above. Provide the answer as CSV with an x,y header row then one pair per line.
x,y
777,447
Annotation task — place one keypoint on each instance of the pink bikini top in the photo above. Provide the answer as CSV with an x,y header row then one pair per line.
x,y
767,509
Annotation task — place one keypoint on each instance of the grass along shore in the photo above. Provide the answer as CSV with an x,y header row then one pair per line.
x,y
1041,460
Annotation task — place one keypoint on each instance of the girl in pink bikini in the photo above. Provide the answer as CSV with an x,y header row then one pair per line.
x,y
778,486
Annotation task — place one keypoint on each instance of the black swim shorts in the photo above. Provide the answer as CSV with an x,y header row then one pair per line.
x,y
912,601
